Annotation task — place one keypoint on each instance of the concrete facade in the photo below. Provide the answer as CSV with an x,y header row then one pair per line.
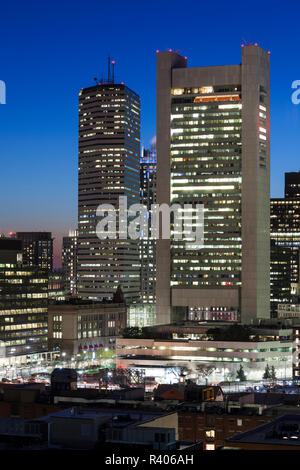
x,y
246,92
78,327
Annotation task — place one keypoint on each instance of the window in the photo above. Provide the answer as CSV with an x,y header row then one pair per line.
x,y
210,434
240,422
210,447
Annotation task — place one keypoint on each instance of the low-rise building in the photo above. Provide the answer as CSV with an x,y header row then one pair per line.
x,y
190,346
78,325
81,428
282,433
288,310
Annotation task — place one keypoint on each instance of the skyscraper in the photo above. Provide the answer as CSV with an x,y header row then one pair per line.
x,y
69,262
109,167
285,239
292,185
213,148
37,249
23,302
147,245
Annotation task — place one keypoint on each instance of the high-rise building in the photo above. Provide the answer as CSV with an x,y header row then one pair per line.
x,y
292,185
23,302
147,244
285,240
69,262
283,262
37,249
109,167
213,141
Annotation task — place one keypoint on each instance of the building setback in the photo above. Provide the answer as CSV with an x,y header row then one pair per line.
x,y
213,148
109,167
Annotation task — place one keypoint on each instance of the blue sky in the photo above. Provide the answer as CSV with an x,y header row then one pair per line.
x,y
50,51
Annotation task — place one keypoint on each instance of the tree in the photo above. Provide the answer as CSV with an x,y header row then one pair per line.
x,y
241,374
131,332
273,373
181,373
204,371
267,373
231,333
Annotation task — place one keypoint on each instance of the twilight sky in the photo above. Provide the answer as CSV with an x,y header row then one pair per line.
x,y
49,51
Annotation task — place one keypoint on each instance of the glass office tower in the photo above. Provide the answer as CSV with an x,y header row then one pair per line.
x,y
109,167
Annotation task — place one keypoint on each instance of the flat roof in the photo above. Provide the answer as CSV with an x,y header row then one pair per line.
x,y
284,430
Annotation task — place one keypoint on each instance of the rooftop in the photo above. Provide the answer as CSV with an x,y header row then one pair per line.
x,y
284,430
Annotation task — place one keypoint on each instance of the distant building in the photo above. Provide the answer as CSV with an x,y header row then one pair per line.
x,y
141,314
148,245
285,244
292,185
288,310
77,325
37,249
56,286
69,262
23,303
283,275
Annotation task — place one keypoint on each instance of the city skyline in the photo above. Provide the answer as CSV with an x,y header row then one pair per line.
x,y
43,160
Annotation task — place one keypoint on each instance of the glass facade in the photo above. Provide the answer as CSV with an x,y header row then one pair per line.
x,y
23,309
147,244
109,167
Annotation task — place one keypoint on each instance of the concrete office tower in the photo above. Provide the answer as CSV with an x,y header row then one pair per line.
x,y
69,262
109,167
213,133
37,249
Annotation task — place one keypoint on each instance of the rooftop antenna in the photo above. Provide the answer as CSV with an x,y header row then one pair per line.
x,y
108,76
113,62
246,43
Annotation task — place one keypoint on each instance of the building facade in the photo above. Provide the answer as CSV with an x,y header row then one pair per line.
x,y
292,185
23,303
148,245
69,262
76,326
213,144
285,244
37,249
109,167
